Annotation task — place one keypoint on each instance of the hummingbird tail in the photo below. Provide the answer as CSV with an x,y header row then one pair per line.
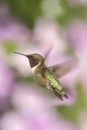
x,y
65,95
60,96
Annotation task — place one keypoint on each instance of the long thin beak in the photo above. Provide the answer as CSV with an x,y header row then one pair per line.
x,y
19,53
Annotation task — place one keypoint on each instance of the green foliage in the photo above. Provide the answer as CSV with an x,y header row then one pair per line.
x,y
26,10
9,46
71,112
2,1
52,8
29,10
72,12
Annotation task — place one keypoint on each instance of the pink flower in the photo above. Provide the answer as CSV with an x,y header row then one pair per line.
x,y
32,112
6,85
47,33
12,121
77,34
76,3
11,28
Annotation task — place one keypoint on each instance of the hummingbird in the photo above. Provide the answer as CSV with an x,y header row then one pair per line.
x,y
47,77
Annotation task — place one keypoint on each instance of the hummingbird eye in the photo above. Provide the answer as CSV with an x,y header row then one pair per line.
x,y
33,61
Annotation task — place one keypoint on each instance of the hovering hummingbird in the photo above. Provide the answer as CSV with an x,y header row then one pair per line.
x,y
47,77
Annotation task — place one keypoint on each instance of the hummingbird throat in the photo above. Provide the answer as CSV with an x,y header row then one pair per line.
x,y
33,62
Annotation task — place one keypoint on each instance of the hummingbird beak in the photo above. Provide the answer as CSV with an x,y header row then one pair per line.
x,y
19,53
28,56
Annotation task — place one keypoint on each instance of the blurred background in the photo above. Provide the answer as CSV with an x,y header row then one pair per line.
x,y
32,26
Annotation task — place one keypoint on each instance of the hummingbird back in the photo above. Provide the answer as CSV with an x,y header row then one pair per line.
x,y
54,83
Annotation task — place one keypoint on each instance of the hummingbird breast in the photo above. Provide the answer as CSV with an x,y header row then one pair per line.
x,y
46,79
44,76
38,75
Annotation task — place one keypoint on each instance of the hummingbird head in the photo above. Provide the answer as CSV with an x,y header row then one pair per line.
x,y
34,59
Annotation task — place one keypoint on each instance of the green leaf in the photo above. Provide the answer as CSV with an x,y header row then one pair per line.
x,y
72,12
52,8
26,10
9,46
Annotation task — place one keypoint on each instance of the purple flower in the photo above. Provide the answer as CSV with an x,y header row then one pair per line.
x,y
12,121
77,34
6,84
76,3
47,33
33,112
11,28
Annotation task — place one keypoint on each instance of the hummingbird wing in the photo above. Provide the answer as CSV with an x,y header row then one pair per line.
x,y
63,68
48,51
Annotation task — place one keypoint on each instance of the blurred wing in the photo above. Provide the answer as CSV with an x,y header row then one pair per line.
x,y
48,51
63,68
